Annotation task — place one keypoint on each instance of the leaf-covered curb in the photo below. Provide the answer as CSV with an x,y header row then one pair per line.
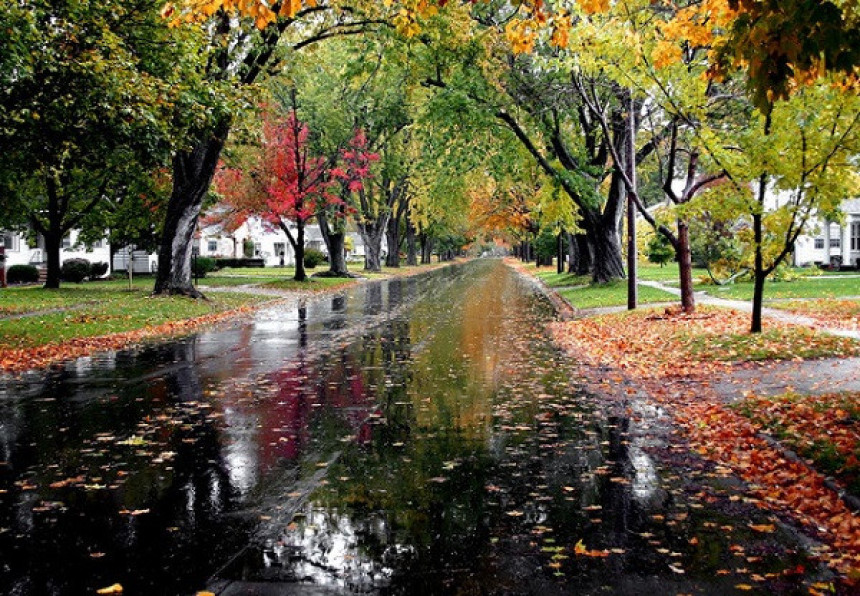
x,y
21,359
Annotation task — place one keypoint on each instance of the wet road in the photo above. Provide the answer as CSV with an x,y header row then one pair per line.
x,y
414,436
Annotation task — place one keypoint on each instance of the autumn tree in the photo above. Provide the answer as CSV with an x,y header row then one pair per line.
x,y
247,40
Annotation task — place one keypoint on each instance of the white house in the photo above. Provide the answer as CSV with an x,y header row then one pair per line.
x,y
269,242
833,243
20,251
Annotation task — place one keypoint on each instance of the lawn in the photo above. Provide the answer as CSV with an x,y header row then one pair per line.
x,y
96,311
807,287
612,294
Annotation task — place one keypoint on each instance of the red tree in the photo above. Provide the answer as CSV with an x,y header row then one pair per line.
x,y
287,185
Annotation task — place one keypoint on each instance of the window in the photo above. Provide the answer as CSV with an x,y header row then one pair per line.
x,y
280,249
819,243
212,247
855,235
258,249
835,242
67,241
9,240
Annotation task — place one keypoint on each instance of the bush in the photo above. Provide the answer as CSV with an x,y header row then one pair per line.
x,y
22,274
75,270
238,263
313,257
202,265
98,270
659,250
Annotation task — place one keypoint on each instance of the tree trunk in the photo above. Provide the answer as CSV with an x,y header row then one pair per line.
x,y
559,253
192,174
53,242
392,238
759,277
411,247
608,263
685,267
300,275
334,242
337,255
426,248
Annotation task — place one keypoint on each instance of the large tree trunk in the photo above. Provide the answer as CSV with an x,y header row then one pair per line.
x,y
580,260
392,238
334,242
411,245
426,248
371,234
685,267
192,174
53,242
604,246
372,255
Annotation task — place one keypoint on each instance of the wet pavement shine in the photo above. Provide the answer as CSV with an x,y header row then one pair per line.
x,y
411,436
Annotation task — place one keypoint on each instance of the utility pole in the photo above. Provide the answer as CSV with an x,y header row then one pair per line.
x,y
631,208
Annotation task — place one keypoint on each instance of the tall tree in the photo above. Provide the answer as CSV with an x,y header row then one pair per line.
x,y
248,39
94,97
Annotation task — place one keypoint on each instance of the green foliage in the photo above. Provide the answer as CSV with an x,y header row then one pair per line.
x,y
546,245
98,269
22,274
248,248
200,266
313,257
239,263
75,270
659,250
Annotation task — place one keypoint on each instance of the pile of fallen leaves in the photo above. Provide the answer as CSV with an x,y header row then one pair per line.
x,y
674,356
20,359
671,343
823,428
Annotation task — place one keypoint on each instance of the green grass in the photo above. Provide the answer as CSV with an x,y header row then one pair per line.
x,y
115,311
771,345
809,287
612,294
561,280
667,273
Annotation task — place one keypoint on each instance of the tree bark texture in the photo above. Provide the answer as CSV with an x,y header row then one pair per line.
x,y
334,242
192,174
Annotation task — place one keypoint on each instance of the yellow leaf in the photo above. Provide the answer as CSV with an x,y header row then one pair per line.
x,y
114,589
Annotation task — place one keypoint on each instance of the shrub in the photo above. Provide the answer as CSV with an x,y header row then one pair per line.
x,y
202,265
22,274
98,270
313,257
75,270
238,263
659,250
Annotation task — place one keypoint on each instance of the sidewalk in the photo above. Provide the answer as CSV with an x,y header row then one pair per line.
x,y
744,306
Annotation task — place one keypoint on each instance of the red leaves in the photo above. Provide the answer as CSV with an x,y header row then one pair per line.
x,y
286,183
